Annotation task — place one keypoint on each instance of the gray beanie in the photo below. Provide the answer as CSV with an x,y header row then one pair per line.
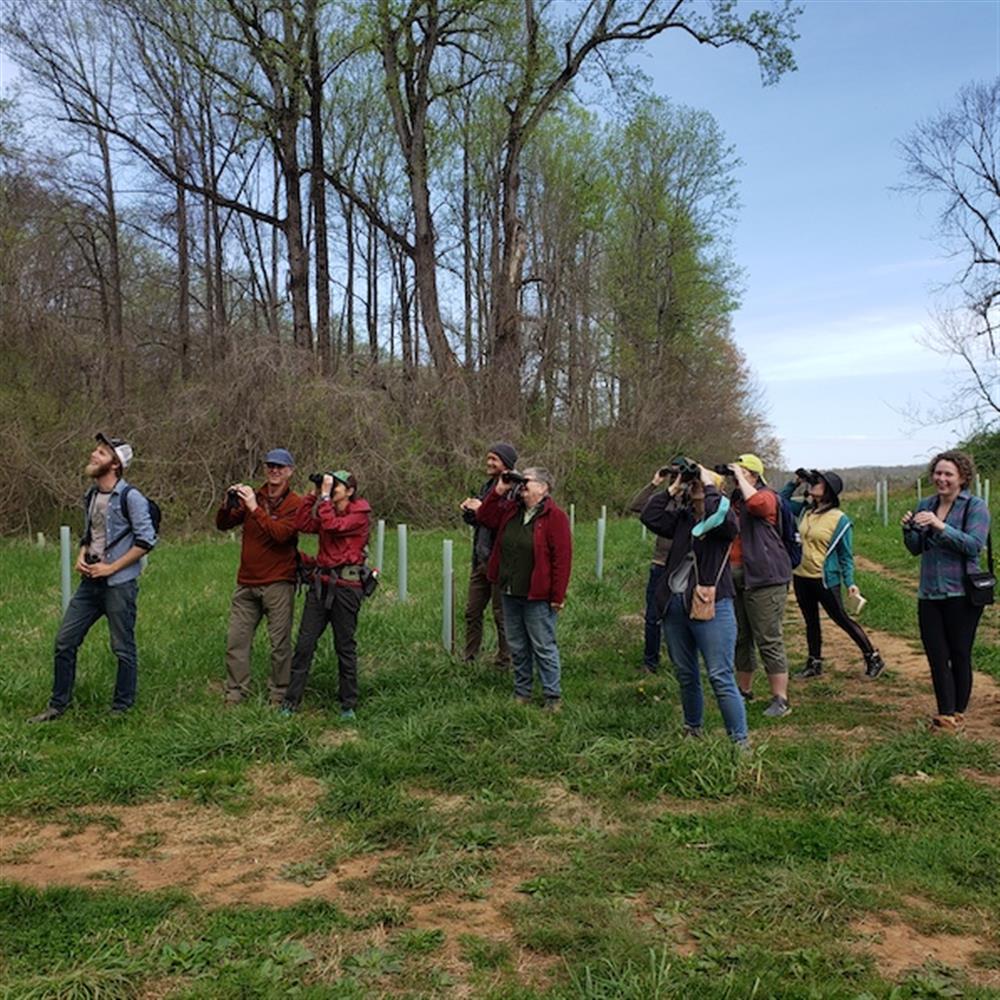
x,y
505,452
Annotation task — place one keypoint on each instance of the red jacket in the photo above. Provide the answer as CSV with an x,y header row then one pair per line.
x,y
552,541
342,537
269,538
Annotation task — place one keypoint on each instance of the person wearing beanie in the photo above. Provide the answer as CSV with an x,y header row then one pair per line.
x,y
118,530
827,565
499,457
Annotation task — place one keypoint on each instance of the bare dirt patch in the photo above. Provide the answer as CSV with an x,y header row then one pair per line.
x,y
899,948
570,811
217,856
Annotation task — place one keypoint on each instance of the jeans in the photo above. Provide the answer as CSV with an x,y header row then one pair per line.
x,y
94,598
653,628
342,616
531,636
715,640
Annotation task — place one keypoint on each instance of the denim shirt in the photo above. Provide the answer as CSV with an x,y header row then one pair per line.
x,y
142,533
947,555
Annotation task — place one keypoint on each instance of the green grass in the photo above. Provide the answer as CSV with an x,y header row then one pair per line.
x,y
638,840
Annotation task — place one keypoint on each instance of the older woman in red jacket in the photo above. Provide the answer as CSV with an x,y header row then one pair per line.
x,y
530,561
342,520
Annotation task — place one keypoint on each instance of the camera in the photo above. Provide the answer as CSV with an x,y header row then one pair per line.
x,y
516,482
911,525
232,499
810,476
686,468
90,559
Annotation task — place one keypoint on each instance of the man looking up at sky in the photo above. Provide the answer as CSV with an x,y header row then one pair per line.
x,y
117,532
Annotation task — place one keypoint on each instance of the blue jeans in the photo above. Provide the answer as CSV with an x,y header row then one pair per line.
x,y
653,628
715,640
531,635
94,598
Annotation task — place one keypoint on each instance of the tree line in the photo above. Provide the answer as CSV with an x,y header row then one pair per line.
x,y
391,230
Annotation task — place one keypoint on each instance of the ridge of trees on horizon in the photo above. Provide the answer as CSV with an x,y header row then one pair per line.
x,y
390,230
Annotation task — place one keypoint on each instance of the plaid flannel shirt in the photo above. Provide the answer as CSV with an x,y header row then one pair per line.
x,y
947,555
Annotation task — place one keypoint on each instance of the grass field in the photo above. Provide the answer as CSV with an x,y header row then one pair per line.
x,y
450,843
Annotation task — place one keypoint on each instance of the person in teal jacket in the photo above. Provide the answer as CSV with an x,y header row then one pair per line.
x,y
827,565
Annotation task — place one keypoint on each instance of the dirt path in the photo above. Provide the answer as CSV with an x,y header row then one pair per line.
x,y
905,687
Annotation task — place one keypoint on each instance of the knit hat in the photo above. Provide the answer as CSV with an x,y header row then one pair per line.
x,y
505,452
834,481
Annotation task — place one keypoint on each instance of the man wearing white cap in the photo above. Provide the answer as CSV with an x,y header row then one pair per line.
x,y
118,532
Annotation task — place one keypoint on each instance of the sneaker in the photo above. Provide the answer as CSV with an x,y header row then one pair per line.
x,y
648,668
779,707
813,668
49,715
286,709
118,711
522,699
692,732
874,664
347,714
746,695
553,705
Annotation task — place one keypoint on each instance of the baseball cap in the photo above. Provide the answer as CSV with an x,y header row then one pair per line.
x,y
751,463
121,448
279,456
343,476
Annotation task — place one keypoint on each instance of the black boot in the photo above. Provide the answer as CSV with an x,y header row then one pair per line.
x,y
813,668
874,664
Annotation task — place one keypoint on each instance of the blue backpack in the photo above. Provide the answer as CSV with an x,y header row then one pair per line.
x,y
788,530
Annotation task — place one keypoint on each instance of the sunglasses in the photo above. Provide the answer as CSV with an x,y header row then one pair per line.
x,y
275,465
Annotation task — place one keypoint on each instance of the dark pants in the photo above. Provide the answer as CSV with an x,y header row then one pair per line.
x,y
342,616
481,593
811,595
93,599
653,625
947,630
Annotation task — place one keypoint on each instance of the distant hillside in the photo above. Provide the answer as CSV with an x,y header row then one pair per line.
x,y
864,477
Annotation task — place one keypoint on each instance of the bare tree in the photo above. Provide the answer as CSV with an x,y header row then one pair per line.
x,y
954,158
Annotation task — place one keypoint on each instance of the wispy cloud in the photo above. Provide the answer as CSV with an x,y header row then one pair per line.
x,y
862,344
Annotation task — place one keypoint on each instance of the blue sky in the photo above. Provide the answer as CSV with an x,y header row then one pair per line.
x,y
840,270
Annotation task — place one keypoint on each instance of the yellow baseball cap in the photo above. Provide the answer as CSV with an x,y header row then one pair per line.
x,y
751,463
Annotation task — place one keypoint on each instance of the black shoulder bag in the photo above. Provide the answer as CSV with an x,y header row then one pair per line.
x,y
980,587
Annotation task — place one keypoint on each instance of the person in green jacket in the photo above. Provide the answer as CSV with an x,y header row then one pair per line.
x,y
827,565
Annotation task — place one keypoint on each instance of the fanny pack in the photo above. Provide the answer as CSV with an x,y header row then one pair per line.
x,y
703,596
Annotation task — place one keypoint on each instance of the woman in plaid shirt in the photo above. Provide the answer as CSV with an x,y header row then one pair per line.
x,y
948,531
